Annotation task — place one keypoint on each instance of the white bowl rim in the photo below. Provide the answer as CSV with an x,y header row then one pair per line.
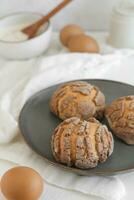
x,y
21,13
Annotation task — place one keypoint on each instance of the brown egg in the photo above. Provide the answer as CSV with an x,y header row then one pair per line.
x,y
68,31
83,43
21,183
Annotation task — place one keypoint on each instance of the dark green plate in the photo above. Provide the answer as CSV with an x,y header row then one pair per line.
x,y
37,124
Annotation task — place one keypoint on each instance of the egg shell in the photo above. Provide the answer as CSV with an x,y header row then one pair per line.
x,y
21,183
83,43
68,31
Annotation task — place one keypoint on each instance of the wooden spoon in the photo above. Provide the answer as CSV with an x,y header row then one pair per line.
x,y
31,30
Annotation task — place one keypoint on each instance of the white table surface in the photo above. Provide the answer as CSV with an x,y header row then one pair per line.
x,y
55,193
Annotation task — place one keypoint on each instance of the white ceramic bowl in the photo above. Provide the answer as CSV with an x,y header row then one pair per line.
x,y
24,49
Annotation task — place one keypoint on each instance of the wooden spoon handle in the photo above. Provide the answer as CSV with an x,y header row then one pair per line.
x,y
31,30
54,11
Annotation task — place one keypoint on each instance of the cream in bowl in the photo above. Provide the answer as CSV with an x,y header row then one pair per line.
x,y
14,44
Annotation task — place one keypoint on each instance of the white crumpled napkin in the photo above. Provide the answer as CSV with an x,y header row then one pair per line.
x,y
19,80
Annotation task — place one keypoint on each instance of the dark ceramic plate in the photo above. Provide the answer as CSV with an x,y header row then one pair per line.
x,y
37,124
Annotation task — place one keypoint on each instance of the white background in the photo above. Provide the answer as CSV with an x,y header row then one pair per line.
x,y
91,14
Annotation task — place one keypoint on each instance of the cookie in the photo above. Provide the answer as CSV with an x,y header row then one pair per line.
x,y
82,144
120,115
78,99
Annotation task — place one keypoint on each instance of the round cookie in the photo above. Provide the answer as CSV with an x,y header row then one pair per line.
x,y
120,115
78,99
81,143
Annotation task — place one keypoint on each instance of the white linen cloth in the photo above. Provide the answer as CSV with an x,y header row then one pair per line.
x,y
21,79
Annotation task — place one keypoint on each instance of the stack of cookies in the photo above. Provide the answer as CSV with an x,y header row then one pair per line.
x,y
81,140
